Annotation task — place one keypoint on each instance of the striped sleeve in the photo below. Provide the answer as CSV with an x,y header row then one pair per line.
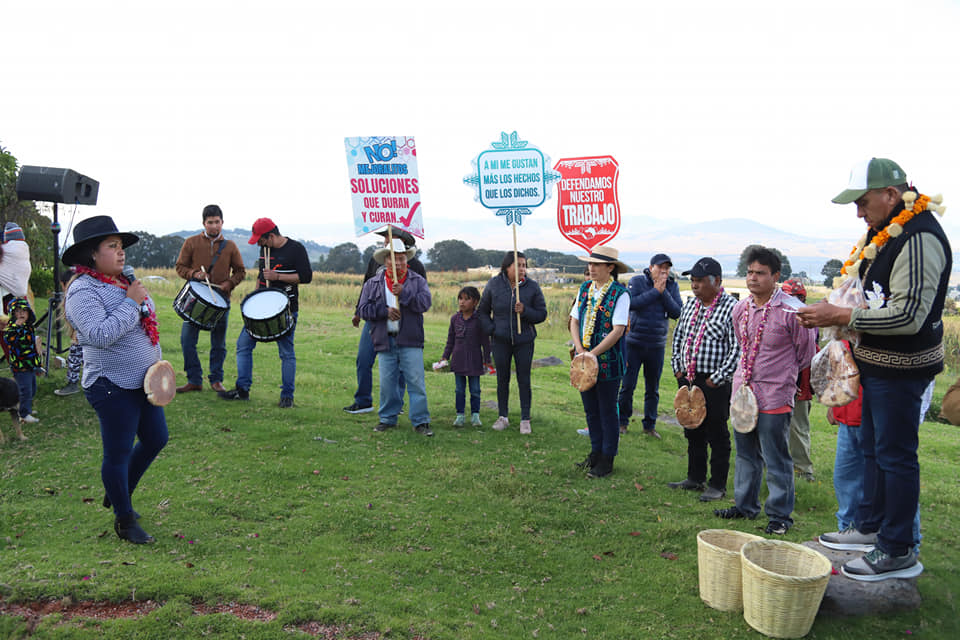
x,y
914,280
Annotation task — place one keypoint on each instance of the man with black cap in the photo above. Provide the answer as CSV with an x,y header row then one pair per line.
x,y
208,256
904,262
705,355
283,265
366,356
654,297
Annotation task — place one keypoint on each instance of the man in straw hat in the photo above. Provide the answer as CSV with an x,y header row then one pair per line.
x,y
284,265
208,256
393,303
598,319
705,355
654,299
366,356
904,262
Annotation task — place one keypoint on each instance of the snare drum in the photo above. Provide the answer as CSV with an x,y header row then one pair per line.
x,y
200,305
266,314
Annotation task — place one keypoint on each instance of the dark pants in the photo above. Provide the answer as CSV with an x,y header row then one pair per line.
x,y
651,360
712,432
460,395
125,415
522,356
27,383
600,405
889,435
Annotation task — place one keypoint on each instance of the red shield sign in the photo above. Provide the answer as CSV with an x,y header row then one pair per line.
x,y
588,210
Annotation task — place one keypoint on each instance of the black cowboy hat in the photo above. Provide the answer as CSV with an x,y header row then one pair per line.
x,y
88,233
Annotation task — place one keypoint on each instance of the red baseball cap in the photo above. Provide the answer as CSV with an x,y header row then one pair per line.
x,y
260,227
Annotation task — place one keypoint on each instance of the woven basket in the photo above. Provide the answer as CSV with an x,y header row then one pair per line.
x,y
718,560
783,584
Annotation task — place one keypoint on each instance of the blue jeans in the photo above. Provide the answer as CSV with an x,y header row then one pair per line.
x,y
125,415
651,359
461,393
189,334
409,362
27,382
891,472
848,480
765,445
366,356
600,407
288,361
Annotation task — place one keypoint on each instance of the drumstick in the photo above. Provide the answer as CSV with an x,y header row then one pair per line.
x,y
202,269
266,263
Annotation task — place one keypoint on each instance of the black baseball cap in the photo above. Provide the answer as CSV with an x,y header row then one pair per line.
x,y
704,267
660,258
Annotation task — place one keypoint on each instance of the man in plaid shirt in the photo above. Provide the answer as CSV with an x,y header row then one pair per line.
x,y
705,344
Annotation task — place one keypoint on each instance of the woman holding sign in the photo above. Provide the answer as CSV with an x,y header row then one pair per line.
x,y
510,307
597,322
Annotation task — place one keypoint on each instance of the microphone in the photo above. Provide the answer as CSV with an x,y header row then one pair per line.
x,y
129,275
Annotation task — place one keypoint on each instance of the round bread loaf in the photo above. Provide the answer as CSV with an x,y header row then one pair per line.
x,y
583,371
743,410
160,383
690,406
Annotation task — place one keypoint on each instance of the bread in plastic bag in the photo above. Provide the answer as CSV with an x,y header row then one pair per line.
x,y
834,375
849,295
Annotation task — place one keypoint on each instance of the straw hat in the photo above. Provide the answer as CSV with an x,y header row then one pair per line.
x,y
380,255
606,255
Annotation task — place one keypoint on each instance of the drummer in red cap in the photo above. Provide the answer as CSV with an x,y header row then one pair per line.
x,y
283,265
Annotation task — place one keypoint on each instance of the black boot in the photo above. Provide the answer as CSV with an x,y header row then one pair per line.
x,y
603,468
589,461
128,529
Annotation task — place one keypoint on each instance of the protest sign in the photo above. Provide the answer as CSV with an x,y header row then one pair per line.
x,y
588,210
384,184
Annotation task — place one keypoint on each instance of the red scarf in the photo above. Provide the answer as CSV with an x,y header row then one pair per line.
x,y
389,280
148,323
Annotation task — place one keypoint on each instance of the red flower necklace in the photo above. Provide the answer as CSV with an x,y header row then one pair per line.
x,y
148,323
692,347
747,361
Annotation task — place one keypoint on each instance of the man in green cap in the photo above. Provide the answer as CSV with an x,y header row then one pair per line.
x,y
904,266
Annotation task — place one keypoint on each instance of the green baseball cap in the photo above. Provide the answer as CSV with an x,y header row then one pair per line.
x,y
875,173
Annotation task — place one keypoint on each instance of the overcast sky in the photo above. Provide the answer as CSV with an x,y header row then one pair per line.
x,y
712,109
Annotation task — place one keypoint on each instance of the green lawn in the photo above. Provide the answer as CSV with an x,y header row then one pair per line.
x,y
471,534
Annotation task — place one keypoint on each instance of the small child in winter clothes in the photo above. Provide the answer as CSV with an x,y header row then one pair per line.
x,y
468,351
24,348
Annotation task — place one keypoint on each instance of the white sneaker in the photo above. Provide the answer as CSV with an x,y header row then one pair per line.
x,y
583,432
502,423
850,539
29,419
525,426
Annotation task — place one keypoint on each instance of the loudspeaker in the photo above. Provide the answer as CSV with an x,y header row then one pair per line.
x,y
49,184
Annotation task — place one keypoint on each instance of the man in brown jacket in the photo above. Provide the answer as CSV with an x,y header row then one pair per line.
x,y
221,262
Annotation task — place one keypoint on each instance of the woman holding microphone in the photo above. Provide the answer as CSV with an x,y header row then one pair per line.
x,y
116,326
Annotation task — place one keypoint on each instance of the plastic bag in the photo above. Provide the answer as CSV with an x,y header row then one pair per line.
x,y
851,296
834,375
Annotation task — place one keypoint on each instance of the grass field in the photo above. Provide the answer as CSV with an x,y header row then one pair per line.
x,y
311,516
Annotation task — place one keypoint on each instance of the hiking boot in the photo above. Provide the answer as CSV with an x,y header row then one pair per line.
x,y
712,494
358,408
602,468
475,420
589,461
459,420
850,539
776,527
502,423
383,426
423,429
285,403
525,427
877,565
731,513
68,390
235,394
687,485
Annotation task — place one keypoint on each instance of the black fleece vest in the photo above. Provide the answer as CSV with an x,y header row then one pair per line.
x,y
905,356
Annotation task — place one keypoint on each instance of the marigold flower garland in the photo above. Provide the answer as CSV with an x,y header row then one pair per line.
x,y
914,204
591,315
692,346
147,323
